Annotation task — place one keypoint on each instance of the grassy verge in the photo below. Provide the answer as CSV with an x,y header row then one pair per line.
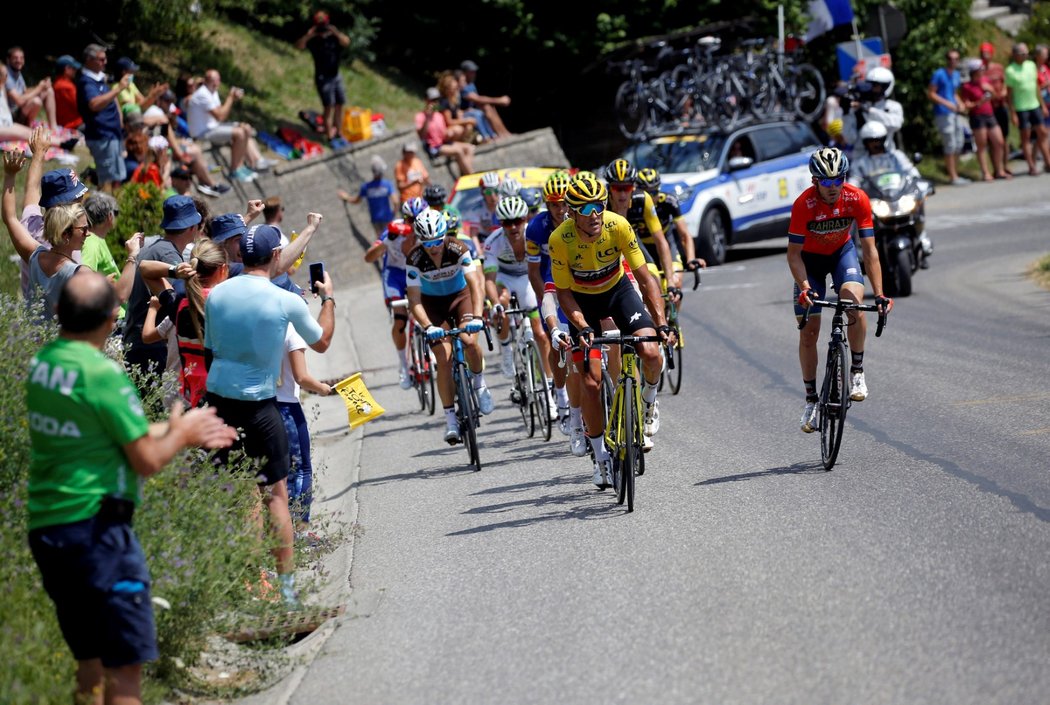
x,y
1040,272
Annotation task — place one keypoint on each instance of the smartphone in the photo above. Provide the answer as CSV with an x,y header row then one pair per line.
x,y
316,275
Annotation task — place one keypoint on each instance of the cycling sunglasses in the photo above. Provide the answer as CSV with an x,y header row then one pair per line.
x,y
832,182
489,191
433,244
622,188
513,221
591,209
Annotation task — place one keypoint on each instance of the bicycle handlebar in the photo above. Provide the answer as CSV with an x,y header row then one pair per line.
x,y
844,305
631,340
463,331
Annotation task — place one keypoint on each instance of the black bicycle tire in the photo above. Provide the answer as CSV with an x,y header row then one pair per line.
x,y
538,390
631,90
467,414
832,424
415,369
521,372
796,84
430,381
675,375
630,449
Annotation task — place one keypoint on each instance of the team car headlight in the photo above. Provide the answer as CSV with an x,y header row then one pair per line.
x,y
880,208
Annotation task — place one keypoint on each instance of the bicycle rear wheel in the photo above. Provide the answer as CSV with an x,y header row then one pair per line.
x,y
539,401
629,451
632,108
520,392
834,401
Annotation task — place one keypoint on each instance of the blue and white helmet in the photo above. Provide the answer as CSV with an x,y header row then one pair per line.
x,y
430,225
413,207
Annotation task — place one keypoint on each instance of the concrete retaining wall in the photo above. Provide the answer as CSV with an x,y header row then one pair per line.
x,y
346,230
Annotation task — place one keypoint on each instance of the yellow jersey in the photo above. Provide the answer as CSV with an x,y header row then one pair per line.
x,y
593,267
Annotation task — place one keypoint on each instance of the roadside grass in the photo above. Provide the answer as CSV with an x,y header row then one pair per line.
x,y
1040,272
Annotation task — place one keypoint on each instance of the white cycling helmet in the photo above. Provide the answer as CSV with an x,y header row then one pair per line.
x,y
873,131
881,74
509,187
511,208
430,225
489,179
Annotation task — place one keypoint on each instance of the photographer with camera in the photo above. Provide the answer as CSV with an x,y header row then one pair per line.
x,y
326,44
869,101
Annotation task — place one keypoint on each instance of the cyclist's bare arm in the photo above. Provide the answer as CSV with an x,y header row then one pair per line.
x,y
654,300
688,248
798,267
415,307
871,265
536,279
571,309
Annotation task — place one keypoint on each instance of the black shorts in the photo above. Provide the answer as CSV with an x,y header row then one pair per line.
x,y
621,303
262,435
980,122
331,90
96,574
1029,119
454,309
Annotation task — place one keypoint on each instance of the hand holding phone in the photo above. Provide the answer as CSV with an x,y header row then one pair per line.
x,y
316,275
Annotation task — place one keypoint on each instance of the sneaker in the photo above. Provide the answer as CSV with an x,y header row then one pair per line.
x,y
452,433
207,190
563,420
264,164
485,401
506,365
578,442
652,418
602,477
809,417
960,180
404,380
243,173
858,387
222,188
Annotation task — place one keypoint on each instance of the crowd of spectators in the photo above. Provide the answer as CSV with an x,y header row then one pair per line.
x,y
208,299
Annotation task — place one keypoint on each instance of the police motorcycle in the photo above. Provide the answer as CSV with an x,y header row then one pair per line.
x,y
898,208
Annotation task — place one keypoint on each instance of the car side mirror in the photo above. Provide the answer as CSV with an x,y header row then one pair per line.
x,y
916,158
738,163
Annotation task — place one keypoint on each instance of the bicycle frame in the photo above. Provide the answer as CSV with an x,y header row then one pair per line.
x,y
467,411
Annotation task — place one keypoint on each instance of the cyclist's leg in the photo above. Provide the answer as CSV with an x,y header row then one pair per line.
x,y
393,289
850,284
504,335
817,269
632,317
437,309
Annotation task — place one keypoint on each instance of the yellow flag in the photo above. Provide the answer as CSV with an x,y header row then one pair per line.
x,y
360,406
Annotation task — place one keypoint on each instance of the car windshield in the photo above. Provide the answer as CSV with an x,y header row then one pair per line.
x,y
679,154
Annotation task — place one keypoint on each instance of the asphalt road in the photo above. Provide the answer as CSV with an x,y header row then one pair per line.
x,y
915,572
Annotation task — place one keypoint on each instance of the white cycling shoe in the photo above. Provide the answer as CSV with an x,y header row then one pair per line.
x,y
809,417
858,387
452,436
652,418
485,404
603,471
577,442
563,420
404,379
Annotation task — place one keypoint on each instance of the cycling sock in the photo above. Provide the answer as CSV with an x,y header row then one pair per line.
x,y
479,380
401,359
811,389
450,415
561,396
858,361
598,446
575,417
649,391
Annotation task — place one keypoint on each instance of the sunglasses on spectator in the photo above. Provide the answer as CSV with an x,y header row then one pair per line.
x,y
513,221
832,182
79,229
591,209
622,188
489,191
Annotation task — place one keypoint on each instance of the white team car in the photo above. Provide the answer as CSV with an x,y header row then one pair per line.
x,y
733,187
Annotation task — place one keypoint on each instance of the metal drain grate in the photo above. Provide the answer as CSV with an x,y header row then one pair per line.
x,y
301,621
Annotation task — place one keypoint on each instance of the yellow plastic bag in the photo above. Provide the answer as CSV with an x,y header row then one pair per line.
x,y
360,406
357,124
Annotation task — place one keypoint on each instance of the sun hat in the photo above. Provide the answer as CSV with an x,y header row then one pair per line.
x,y
60,186
227,225
179,213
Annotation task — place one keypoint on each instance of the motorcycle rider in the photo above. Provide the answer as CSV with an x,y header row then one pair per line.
x,y
873,104
876,160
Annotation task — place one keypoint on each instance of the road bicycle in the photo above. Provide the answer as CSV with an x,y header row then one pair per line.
x,y
673,374
624,426
787,87
468,413
420,361
834,399
529,390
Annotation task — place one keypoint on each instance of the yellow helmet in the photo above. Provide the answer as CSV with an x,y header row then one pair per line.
x,y
557,184
585,189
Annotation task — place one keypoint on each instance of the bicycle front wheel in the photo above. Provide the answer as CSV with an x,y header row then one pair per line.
x,y
539,401
807,91
834,400
631,106
628,453
674,377
468,405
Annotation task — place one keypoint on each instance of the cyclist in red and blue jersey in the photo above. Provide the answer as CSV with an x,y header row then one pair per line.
x,y
820,243
537,235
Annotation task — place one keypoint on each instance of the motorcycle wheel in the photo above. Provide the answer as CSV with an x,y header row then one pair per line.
x,y
901,273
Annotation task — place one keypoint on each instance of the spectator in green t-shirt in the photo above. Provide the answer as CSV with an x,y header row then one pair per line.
x,y
91,446
1027,108
102,211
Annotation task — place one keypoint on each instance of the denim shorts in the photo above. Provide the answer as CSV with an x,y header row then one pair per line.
x,y
330,90
843,266
951,128
109,160
1028,119
96,574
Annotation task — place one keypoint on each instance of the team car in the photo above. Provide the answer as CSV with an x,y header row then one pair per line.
x,y
733,187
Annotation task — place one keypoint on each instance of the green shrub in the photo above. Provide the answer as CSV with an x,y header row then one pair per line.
x,y
141,210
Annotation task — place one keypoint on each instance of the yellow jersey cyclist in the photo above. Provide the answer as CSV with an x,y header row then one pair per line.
x,y
442,293
820,243
640,211
587,253
506,273
669,213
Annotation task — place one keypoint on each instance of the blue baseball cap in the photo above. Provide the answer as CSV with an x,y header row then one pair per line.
x,y
227,225
67,60
259,243
127,65
179,213
60,186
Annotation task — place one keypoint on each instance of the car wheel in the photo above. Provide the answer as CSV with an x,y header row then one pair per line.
x,y
712,240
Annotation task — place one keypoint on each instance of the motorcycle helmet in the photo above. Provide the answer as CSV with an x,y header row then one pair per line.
x,y
873,131
829,163
880,76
